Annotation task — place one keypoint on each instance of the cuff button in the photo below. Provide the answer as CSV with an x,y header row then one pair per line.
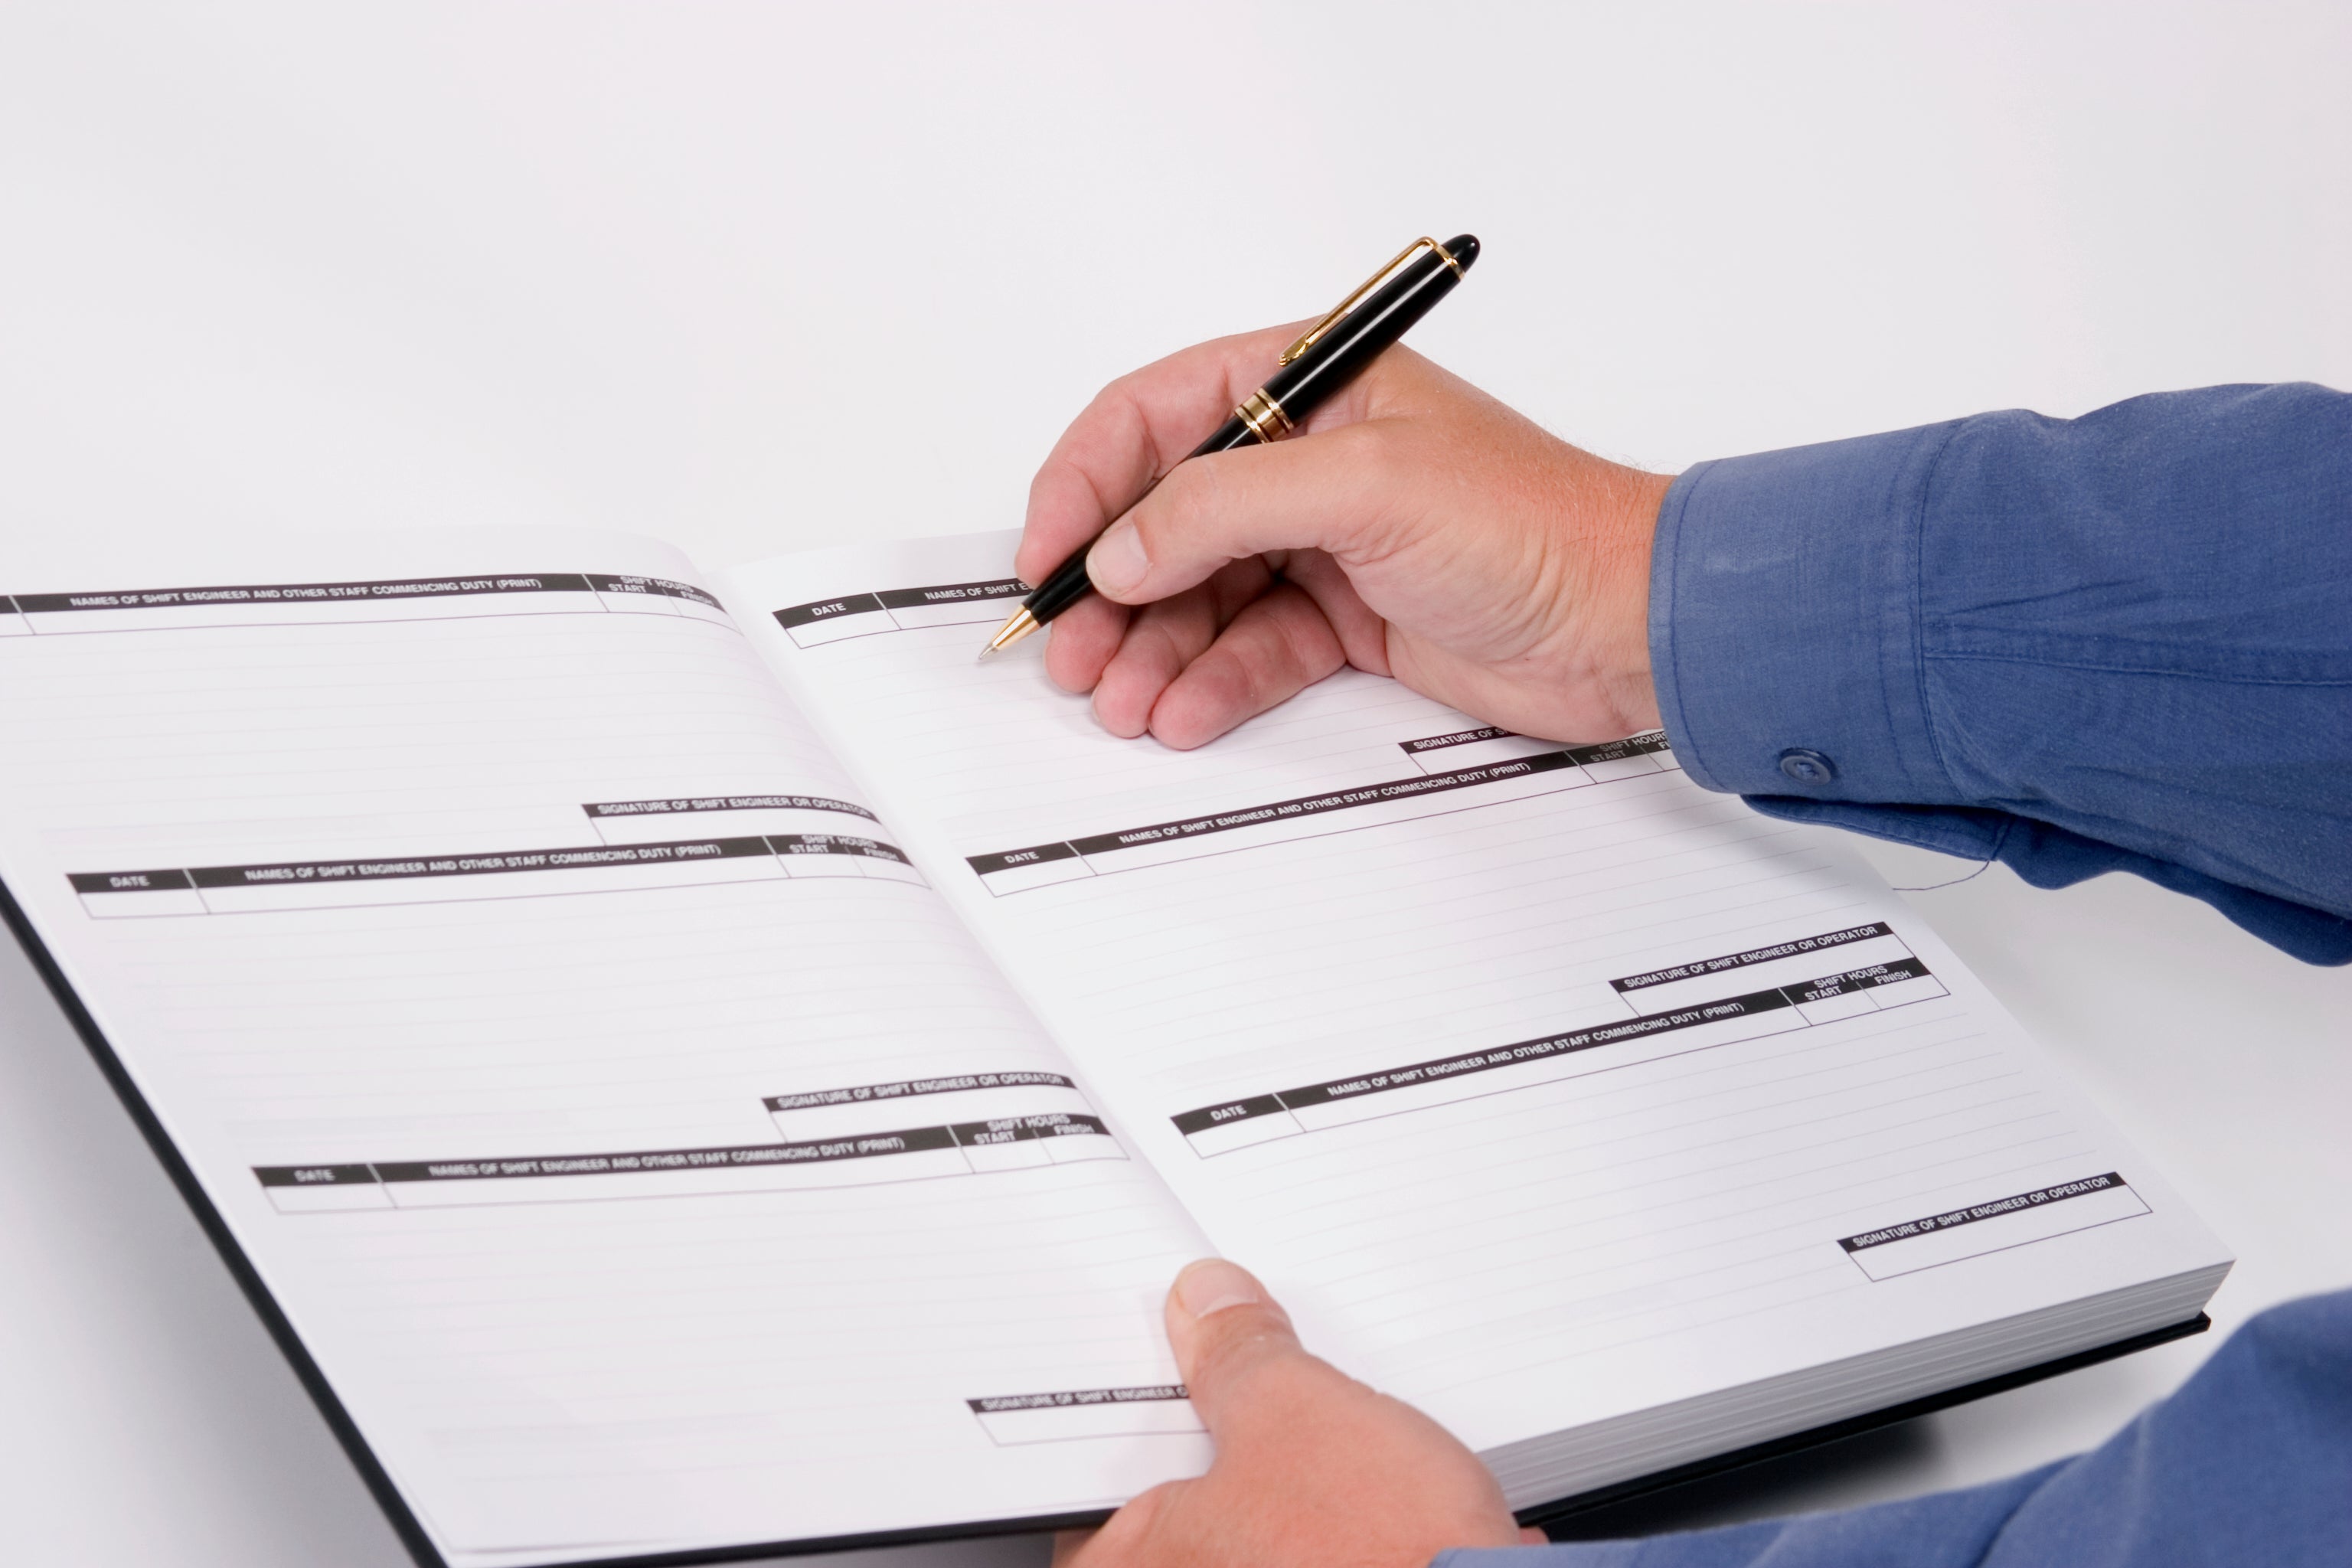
x,y
1806,766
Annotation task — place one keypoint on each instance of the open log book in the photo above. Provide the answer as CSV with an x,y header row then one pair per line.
x,y
694,1065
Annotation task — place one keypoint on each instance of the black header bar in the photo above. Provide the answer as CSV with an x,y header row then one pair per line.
x,y
1278,811
909,1141
827,610
1063,1401
1023,1128
1648,743
1831,986
1210,1116
1035,856
1317,805
1754,1002
1440,1068
660,586
293,872
1705,966
346,592
900,599
316,1175
315,593
835,844
726,802
1459,738
586,857
129,882
1993,1210
953,594
638,1161
913,1085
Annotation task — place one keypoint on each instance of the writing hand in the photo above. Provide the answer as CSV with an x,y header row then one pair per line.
x,y
1415,527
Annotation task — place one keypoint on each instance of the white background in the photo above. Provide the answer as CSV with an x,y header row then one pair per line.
x,y
756,278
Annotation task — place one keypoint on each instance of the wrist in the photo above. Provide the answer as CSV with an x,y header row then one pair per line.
x,y
1623,560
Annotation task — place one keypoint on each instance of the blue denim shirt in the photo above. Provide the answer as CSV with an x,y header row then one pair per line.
x,y
2118,643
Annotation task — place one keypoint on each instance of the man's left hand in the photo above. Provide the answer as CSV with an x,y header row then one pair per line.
x,y
1311,1468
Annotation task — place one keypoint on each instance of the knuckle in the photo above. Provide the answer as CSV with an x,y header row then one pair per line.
x,y
1178,510
1306,639
1124,1533
1372,455
1238,1342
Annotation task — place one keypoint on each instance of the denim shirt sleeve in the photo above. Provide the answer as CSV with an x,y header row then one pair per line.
x,y
2122,642
2247,1463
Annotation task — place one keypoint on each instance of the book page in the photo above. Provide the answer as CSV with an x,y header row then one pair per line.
x,y
644,1150
1543,1085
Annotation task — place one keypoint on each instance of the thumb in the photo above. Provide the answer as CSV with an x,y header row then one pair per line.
x,y
1314,492
1234,1345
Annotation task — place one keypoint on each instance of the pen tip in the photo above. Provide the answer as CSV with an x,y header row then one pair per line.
x,y
1019,624
1464,248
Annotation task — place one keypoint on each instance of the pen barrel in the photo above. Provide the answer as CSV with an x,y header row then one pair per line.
x,y
1360,337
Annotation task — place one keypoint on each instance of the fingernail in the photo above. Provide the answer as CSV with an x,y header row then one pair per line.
x,y
1117,562
1211,1285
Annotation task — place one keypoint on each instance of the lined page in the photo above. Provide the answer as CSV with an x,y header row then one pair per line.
x,y
1542,1085
641,1145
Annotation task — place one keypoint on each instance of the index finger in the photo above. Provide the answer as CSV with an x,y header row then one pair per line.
x,y
1135,430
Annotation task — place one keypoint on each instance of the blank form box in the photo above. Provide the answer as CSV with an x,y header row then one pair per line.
x,y
953,613
882,870
696,610
1926,988
1077,1148
1436,1091
1622,767
1024,1154
801,866
863,623
353,892
1844,1004
1975,1240
622,602
14,626
1450,1089
1037,874
330,1199
1058,1424
1242,1133
163,901
878,1169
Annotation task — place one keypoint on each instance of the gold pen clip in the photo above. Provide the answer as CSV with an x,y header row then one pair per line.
x,y
1369,284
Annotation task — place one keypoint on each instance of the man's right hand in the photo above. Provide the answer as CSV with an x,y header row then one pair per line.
x,y
1415,527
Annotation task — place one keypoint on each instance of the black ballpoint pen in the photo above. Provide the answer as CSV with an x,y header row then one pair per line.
x,y
1327,357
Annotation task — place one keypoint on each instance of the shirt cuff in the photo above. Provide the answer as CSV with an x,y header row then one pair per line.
x,y
1784,622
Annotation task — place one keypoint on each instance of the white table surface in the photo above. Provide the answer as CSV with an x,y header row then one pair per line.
x,y
756,278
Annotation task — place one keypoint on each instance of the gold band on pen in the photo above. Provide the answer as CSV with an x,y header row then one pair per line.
x,y
1264,416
